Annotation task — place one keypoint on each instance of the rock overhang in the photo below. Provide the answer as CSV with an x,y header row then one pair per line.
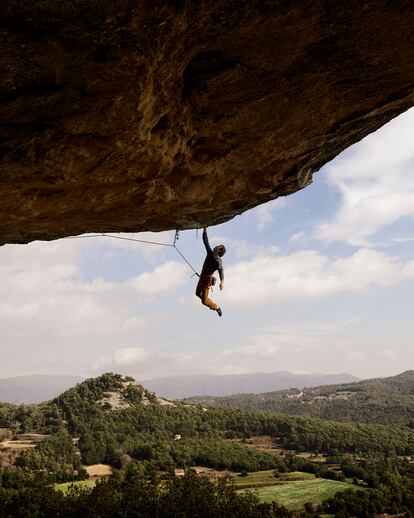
x,y
132,115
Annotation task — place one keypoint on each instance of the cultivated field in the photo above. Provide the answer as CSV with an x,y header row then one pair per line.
x,y
79,483
95,472
23,442
270,445
267,478
263,443
295,494
99,470
212,474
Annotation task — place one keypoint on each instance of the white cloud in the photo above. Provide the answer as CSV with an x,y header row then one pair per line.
x,y
376,183
298,237
163,278
148,244
269,278
265,212
402,239
126,357
48,311
144,363
243,248
356,355
55,307
264,352
388,353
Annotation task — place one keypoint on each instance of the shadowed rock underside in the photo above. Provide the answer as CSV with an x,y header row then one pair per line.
x,y
123,115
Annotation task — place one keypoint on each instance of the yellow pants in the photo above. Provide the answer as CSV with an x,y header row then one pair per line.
x,y
203,287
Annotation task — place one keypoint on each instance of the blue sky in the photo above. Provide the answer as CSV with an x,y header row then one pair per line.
x,y
320,281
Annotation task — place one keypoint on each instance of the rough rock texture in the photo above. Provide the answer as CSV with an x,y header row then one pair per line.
x,y
127,115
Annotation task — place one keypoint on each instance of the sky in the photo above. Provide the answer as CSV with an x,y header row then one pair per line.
x,y
320,281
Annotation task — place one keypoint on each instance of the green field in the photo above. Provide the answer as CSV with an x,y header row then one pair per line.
x,y
290,489
295,475
261,478
79,483
293,495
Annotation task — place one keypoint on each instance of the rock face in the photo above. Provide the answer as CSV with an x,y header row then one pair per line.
x,y
128,115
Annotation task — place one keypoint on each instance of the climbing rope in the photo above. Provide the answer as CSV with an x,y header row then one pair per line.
x,y
171,245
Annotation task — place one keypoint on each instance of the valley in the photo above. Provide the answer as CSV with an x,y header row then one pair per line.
x,y
110,432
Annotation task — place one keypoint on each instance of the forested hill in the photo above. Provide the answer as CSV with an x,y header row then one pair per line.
x,y
380,401
112,417
112,420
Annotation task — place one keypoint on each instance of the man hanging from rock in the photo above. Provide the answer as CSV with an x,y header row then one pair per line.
x,y
211,264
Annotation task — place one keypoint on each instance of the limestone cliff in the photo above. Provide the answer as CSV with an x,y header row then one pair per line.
x,y
128,115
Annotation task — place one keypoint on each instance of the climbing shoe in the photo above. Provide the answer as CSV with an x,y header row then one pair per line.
x,y
219,312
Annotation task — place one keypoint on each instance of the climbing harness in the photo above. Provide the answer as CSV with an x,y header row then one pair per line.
x,y
171,245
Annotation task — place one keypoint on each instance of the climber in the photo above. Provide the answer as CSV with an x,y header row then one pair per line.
x,y
211,264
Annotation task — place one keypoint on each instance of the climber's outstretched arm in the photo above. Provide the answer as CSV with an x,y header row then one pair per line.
x,y
205,241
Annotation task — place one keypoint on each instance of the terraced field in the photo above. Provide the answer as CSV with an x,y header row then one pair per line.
x,y
291,489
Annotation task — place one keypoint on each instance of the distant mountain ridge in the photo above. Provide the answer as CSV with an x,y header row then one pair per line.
x,y
38,388
388,401
178,387
35,388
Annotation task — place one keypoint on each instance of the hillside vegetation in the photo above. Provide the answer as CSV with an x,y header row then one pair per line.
x,y
113,417
114,421
388,401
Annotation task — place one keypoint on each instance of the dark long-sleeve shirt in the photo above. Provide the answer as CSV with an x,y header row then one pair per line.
x,y
212,261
